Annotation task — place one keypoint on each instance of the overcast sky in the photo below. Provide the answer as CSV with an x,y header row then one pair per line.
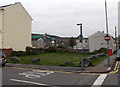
x,y
59,17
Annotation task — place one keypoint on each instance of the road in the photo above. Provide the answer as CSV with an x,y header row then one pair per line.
x,y
26,77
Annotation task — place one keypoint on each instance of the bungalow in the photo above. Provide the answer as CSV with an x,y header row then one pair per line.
x,y
42,41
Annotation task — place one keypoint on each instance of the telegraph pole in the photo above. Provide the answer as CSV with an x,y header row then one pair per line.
x,y
107,33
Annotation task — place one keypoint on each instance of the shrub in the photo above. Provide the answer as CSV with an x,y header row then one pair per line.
x,y
29,50
51,49
61,46
18,53
102,50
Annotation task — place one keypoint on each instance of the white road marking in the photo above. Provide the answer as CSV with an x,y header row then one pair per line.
x,y
35,73
99,80
35,83
109,68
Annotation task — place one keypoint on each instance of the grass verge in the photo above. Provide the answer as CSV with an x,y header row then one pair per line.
x,y
56,59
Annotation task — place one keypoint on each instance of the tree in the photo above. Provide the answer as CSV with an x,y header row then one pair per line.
x,y
72,42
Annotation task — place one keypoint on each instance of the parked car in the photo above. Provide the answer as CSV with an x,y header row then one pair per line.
x,y
3,60
118,55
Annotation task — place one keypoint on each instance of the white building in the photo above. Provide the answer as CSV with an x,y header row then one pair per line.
x,y
96,41
15,27
38,43
79,44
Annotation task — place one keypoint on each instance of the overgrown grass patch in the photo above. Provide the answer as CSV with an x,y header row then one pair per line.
x,y
56,59
98,60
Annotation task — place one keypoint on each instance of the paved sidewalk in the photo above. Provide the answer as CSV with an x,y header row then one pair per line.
x,y
102,67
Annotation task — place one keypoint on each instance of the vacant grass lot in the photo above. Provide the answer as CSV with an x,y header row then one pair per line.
x,y
56,59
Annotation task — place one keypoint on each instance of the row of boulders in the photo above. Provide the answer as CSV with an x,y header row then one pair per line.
x,y
88,61
16,59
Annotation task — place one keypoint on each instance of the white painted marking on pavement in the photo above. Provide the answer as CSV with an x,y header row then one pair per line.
x,y
28,82
99,80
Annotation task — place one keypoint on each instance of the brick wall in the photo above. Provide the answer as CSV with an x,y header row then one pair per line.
x,y
8,52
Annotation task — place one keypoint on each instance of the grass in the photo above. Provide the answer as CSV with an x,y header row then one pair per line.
x,y
56,59
98,60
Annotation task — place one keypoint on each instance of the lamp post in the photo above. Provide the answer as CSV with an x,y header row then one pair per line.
x,y
81,40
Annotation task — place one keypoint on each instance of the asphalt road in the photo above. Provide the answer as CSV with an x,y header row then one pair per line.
x,y
26,77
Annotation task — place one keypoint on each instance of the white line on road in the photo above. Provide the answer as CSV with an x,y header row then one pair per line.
x,y
109,68
28,82
99,80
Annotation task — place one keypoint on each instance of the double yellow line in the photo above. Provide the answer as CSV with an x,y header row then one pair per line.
x,y
117,66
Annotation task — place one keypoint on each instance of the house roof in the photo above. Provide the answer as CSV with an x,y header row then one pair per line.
x,y
97,34
36,37
5,6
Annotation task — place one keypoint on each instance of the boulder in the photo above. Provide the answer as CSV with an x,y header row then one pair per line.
x,y
34,60
15,59
102,54
90,58
99,55
94,56
86,62
68,62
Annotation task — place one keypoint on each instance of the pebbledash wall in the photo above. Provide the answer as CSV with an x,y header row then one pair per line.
x,y
96,41
15,27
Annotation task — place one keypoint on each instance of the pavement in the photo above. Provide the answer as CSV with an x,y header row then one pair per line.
x,y
100,68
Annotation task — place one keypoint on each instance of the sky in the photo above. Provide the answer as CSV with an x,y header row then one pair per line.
x,y
60,17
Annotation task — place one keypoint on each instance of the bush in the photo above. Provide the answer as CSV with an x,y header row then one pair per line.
x,y
60,50
18,53
95,52
29,50
51,49
61,46
102,50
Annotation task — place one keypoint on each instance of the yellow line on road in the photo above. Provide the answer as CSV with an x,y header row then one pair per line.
x,y
112,72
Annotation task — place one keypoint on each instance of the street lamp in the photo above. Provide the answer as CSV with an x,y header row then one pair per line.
x,y
81,40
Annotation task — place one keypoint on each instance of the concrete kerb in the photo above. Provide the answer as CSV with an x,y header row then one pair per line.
x,y
80,71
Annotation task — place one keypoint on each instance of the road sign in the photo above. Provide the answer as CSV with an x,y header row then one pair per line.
x,y
107,37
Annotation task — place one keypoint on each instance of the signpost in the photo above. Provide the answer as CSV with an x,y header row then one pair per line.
x,y
107,32
107,38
